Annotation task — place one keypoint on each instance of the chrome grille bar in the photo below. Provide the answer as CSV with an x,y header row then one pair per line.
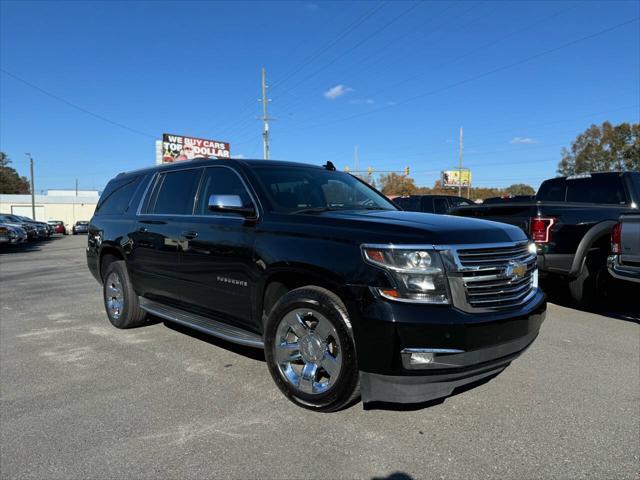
x,y
490,277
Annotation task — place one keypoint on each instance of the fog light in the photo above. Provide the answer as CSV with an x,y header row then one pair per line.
x,y
417,358
421,358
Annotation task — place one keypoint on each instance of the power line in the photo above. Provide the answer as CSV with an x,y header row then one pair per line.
x,y
449,150
475,50
358,44
481,75
77,107
496,41
335,41
300,100
245,123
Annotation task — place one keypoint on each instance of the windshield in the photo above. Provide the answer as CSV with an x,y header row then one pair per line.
x,y
293,189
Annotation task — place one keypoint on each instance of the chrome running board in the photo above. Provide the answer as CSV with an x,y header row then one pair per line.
x,y
202,324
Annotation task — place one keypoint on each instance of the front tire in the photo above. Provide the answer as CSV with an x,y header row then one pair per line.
x,y
310,350
120,300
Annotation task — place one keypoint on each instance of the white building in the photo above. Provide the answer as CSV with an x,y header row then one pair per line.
x,y
69,208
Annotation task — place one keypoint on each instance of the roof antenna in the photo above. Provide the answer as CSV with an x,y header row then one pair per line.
x,y
330,166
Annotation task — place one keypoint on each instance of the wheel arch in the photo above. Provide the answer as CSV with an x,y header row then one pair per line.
x,y
108,250
286,278
595,235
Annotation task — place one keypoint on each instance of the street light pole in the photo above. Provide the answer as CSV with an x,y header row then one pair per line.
x,y
33,191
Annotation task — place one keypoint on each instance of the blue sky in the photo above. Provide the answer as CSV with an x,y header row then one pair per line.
x,y
396,78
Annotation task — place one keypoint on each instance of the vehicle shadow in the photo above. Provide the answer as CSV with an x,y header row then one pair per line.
x,y
395,476
620,300
253,353
31,246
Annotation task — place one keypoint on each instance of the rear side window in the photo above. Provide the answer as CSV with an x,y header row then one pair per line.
x,y
606,189
410,204
440,205
552,190
117,195
220,181
427,205
459,201
174,192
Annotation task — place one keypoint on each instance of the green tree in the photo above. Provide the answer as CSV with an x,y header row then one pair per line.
x,y
10,181
394,184
520,189
603,148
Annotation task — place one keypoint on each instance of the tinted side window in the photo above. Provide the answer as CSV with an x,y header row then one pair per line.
x,y
552,190
116,196
220,181
401,202
459,201
440,205
174,192
410,204
607,189
427,205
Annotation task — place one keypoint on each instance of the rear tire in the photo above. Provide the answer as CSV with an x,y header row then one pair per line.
x,y
120,300
310,350
585,290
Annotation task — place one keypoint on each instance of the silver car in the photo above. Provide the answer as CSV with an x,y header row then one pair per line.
x,y
12,234
624,261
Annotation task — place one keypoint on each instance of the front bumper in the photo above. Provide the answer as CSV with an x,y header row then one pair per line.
x,y
473,346
622,272
438,384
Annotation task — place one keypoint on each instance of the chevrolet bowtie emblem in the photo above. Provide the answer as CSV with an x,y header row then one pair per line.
x,y
515,270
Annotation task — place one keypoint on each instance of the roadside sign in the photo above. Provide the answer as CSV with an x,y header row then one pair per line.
x,y
179,148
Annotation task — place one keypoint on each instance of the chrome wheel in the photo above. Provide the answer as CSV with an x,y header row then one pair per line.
x,y
307,351
114,295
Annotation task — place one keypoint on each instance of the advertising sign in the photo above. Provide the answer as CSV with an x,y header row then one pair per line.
x,y
178,148
456,178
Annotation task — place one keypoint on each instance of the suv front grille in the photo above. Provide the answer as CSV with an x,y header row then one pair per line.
x,y
492,277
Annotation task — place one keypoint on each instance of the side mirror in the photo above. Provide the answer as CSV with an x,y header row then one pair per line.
x,y
229,204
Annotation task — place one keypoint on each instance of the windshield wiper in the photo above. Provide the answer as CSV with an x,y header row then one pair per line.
x,y
316,210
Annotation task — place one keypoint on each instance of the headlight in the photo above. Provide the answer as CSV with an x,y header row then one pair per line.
x,y
418,273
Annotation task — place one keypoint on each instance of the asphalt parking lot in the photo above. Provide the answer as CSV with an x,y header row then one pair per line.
x,y
81,399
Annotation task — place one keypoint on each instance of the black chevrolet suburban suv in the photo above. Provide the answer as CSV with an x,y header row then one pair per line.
x,y
348,296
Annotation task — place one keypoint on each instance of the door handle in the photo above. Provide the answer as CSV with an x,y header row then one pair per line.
x,y
189,235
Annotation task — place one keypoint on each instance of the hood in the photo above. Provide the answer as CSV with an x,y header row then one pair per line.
x,y
394,226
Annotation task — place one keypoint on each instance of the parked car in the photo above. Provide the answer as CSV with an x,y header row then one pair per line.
x,y
12,234
81,226
15,221
345,293
571,221
58,226
42,228
624,261
430,203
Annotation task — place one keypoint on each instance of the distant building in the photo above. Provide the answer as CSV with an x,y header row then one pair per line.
x,y
57,205
73,193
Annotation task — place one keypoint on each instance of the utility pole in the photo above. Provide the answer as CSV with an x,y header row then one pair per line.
x,y
460,166
33,188
265,117
76,187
